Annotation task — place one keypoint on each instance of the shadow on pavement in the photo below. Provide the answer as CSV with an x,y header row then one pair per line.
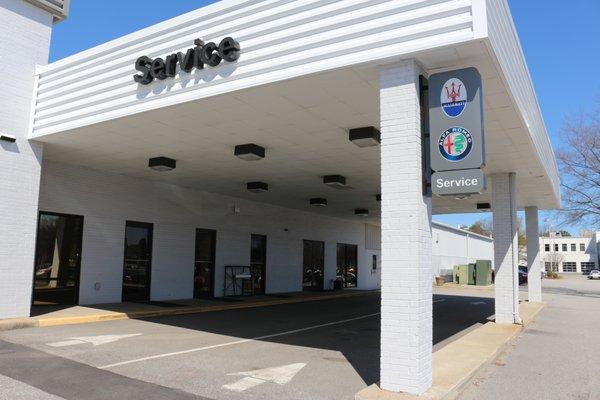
x,y
358,340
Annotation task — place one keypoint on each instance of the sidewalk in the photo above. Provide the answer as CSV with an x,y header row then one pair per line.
x,y
43,316
455,364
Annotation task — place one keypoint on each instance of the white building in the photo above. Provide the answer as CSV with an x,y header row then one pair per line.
x,y
120,188
454,246
569,254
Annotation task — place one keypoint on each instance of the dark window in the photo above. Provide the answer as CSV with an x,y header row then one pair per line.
x,y
564,247
347,268
204,264
547,247
313,265
57,259
586,267
556,247
581,247
573,247
258,262
137,265
569,267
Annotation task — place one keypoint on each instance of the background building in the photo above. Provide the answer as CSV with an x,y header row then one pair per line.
x,y
452,246
569,254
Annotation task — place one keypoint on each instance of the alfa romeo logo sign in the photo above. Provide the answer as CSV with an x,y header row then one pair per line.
x,y
454,97
455,143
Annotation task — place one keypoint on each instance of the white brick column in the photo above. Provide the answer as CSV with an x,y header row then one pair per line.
x,y
406,272
506,257
534,278
25,42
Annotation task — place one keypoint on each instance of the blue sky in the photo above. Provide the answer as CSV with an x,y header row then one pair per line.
x,y
560,41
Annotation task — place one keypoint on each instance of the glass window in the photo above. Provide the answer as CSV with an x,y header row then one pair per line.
x,y
556,247
347,265
564,247
581,247
554,267
57,259
313,265
137,264
587,266
569,266
573,247
204,266
546,247
258,262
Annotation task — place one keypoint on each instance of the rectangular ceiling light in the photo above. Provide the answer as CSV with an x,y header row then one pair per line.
x,y
249,152
335,181
162,163
361,212
318,202
365,137
257,187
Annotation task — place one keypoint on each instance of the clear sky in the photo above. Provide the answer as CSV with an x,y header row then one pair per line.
x,y
560,40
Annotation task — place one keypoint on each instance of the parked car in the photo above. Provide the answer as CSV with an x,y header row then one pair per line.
x,y
522,274
594,274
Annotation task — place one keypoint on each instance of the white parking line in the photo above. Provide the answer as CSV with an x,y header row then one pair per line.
x,y
176,353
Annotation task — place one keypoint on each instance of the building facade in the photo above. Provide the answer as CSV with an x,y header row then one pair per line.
x,y
278,143
566,254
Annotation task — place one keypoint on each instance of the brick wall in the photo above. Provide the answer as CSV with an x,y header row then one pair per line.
x,y
406,271
176,212
505,247
24,42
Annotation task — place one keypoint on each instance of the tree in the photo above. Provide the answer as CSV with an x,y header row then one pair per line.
x,y
564,233
482,227
579,164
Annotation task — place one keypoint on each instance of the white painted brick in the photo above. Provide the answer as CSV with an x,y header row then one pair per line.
x,y
534,277
113,199
505,247
406,316
24,42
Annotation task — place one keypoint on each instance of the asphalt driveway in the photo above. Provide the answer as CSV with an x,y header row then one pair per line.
x,y
316,350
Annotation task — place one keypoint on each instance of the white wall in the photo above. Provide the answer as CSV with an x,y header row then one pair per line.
x,y
279,40
452,246
24,42
589,255
106,201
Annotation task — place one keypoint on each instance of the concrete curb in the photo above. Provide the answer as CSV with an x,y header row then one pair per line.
x,y
17,323
113,315
457,363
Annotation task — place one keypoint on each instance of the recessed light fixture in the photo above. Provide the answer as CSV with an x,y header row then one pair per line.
x,y
368,136
8,138
483,206
257,187
162,163
249,152
318,202
378,197
361,212
335,181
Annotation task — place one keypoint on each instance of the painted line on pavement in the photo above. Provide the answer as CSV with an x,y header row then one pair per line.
x,y
215,346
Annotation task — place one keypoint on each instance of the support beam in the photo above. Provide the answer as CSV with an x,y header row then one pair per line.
x,y
506,257
406,271
534,274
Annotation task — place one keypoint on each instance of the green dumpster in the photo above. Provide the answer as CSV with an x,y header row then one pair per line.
x,y
471,274
483,272
460,274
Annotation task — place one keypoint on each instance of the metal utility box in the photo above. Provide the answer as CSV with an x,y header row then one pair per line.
x,y
483,272
460,274
471,274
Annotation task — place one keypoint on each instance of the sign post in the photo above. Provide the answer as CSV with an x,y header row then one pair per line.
x,y
457,145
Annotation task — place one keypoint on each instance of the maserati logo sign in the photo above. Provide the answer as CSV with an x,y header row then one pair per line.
x,y
454,97
455,143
